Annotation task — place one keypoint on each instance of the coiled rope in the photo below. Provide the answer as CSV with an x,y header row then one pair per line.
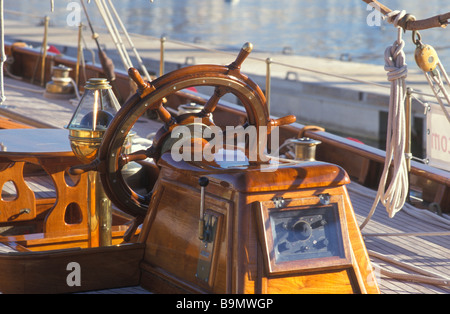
x,y
394,196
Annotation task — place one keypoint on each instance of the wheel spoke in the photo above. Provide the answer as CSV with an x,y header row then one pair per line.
x,y
211,104
136,156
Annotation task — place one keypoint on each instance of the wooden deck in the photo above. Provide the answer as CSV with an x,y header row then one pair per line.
x,y
430,253
48,112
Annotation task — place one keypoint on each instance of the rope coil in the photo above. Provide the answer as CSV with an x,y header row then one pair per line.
x,y
394,196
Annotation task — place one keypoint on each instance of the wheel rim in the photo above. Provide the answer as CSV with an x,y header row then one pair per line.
x,y
110,151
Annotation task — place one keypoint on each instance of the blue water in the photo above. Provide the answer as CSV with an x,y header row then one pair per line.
x,y
325,28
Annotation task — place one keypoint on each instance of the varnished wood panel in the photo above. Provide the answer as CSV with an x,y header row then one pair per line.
x,y
336,282
46,272
23,205
287,175
173,243
55,241
7,123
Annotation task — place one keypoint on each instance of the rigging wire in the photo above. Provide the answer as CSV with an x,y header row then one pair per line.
x,y
435,77
130,42
113,32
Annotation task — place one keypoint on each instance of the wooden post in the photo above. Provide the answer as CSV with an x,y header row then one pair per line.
x,y
268,78
161,61
100,215
44,50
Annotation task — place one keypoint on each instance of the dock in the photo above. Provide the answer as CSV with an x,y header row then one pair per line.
x,y
354,95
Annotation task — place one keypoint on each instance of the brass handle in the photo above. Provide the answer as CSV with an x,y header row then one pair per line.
x,y
283,121
243,54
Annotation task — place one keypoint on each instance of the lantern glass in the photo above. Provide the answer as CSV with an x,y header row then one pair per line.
x,y
94,113
97,107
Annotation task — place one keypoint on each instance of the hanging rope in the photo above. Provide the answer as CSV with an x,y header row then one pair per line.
x,y
394,196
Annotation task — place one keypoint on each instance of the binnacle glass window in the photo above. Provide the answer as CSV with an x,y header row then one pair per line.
x,y
301,234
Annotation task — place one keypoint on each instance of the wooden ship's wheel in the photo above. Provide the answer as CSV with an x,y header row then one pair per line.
x,y
150,96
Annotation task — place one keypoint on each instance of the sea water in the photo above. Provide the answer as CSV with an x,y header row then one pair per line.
x,y
338,29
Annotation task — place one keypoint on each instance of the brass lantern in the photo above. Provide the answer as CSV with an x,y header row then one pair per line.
x,y
92,117
94,113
